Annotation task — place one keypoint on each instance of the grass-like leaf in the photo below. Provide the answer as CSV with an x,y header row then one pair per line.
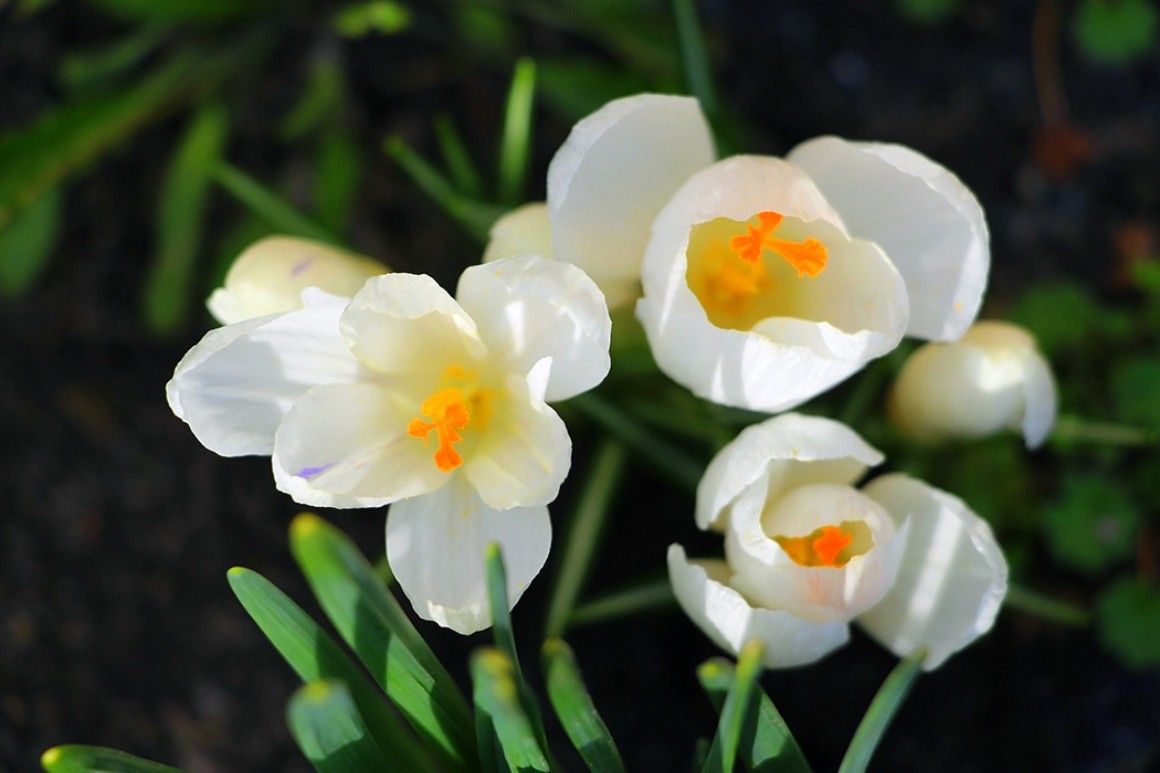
x,y
766,744
694,58
606,468
497,701
180,216
739,712
314,655
515,150
645,596
373,624
882,710
96,759
27,244
338,172
325,722
278,213
195,11
577,714
464,174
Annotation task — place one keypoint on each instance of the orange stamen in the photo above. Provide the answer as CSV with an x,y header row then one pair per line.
x,y
808,257
832,542
448,411
821,547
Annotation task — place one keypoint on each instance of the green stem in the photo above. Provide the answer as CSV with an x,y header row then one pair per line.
x,y
1034,603
649,597
882,710
277,213
607,468
1075,429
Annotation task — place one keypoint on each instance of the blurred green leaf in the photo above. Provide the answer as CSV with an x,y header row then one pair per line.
x,y
882,710
578,87
320,100
646,596
382,16
1092,525
1134,389
314,655
515,151
85,70
1128,622
1062,317
695,58
27,243
739,712
194,11
766,742
278,213
1043,606
574,708
339,168
486,29
180,219
927,11
329,730
95,759
1115,32
464,173
39,156
369,619
498,705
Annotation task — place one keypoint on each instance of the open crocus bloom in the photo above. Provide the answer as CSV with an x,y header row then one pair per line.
x,y
270,275
806,552
993,378
405,395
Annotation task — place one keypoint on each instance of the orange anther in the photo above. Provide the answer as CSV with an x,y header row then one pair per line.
x,y
832,542
448,411
748,246
821,547
808,257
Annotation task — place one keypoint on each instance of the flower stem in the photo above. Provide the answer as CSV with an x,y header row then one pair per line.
x,y
1074,429
882,710
1034,603
647,597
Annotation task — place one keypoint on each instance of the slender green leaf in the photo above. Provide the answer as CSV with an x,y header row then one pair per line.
x,y
1034,603
739,713
369,619
767,745
501,628
320,99
180,219
606,469
882,710
95,759
278,213
314,655
497,697
648,596
198,11
694,58
27,244
85,70
464,173
577,714
339,170
382,16
516,146
326,723
473,217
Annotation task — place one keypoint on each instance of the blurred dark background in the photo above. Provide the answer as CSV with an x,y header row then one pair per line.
x,y
117,627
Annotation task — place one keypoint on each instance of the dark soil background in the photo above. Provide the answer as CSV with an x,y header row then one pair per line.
x,y
117,626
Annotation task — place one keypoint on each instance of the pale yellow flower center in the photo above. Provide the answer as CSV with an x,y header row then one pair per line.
x,y
452,409
732,273
831,546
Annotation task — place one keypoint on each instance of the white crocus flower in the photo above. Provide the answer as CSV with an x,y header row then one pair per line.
x,y
991,379
406,396
806,552
270,275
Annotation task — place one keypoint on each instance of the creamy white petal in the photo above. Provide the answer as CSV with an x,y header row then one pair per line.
x,y
614,173
929,223
524,453
1040,403
406,323
525,230
234,387
768,576
270,275
347,445
953,576
529,307
436,544
791,450
702,589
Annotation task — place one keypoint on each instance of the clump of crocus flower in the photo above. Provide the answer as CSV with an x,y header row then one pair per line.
x,y
403,395
993,378
806,552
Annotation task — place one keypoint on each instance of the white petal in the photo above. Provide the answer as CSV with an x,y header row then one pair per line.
x,y
929,223
347,446
234,387
524,453
524,230
953,576
406,323
793,450
766,574
730,621
528,307
1039,400
614,173
270,275
436,544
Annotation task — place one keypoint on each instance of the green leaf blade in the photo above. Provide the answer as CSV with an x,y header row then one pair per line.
x,y
270,207
329,730
497,699
27,244
516,145
882,710
577,714
75,758
738,712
